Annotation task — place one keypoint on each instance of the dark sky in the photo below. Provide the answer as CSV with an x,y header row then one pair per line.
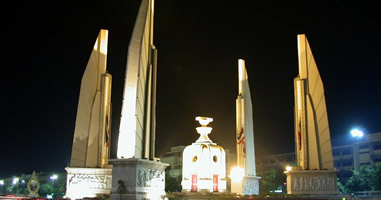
x,y
47,45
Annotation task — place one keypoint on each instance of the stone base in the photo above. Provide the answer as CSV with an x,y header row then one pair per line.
x,y
248,186
33,195
137,179
88,182
311,182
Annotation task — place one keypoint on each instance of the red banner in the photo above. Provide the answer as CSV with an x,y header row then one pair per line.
x,y
194,183
215,183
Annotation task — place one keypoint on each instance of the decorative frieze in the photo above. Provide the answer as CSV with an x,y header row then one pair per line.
x,y
311,182
250,185
137,179
88,182
150,177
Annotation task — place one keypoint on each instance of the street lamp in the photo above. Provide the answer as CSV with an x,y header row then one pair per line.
x,y
237,174
356,133
15,181
2,186
54,177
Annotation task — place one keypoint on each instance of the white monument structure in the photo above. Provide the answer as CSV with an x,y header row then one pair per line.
x,y
204,163
244,179
315,173
136,173
89,174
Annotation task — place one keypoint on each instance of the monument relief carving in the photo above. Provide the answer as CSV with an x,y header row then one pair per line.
x,y
150,178
313,183
92,181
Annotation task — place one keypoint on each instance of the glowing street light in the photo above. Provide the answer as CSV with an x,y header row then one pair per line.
x,y
15,181
357,133
236,174
54,177
1,184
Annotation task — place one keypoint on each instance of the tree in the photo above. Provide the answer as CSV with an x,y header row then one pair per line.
x,y
173,184
45,189
362,180
341,187
271,180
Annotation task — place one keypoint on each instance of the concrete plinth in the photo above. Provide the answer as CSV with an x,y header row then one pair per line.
x,y
313,182
137,179
248,186
88,182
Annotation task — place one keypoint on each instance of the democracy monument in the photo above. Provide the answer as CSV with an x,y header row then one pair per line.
x,y
137,174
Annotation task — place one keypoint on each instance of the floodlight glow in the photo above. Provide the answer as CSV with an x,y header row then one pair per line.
x,y
242,75
54,177
299,92
15,181
236,174
288,168
357,133
1,182
127,130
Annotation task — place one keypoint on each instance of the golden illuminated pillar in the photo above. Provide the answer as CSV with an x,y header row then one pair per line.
x,y
314,173
248,184
92,135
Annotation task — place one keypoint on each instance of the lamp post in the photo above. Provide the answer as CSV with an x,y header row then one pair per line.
x,y
15,182
2,186
54,177
356,133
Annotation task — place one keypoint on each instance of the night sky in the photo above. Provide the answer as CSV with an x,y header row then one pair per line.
x,y
46,46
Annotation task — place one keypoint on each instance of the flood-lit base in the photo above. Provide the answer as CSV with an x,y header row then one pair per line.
x,y
248,186
316,182
88,182
204,185
137,179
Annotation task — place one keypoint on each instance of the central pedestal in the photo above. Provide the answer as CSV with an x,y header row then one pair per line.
x,y
137,179
248,186
316,182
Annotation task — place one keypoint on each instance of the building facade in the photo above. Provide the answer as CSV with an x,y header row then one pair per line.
x,y
368,150
175,160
